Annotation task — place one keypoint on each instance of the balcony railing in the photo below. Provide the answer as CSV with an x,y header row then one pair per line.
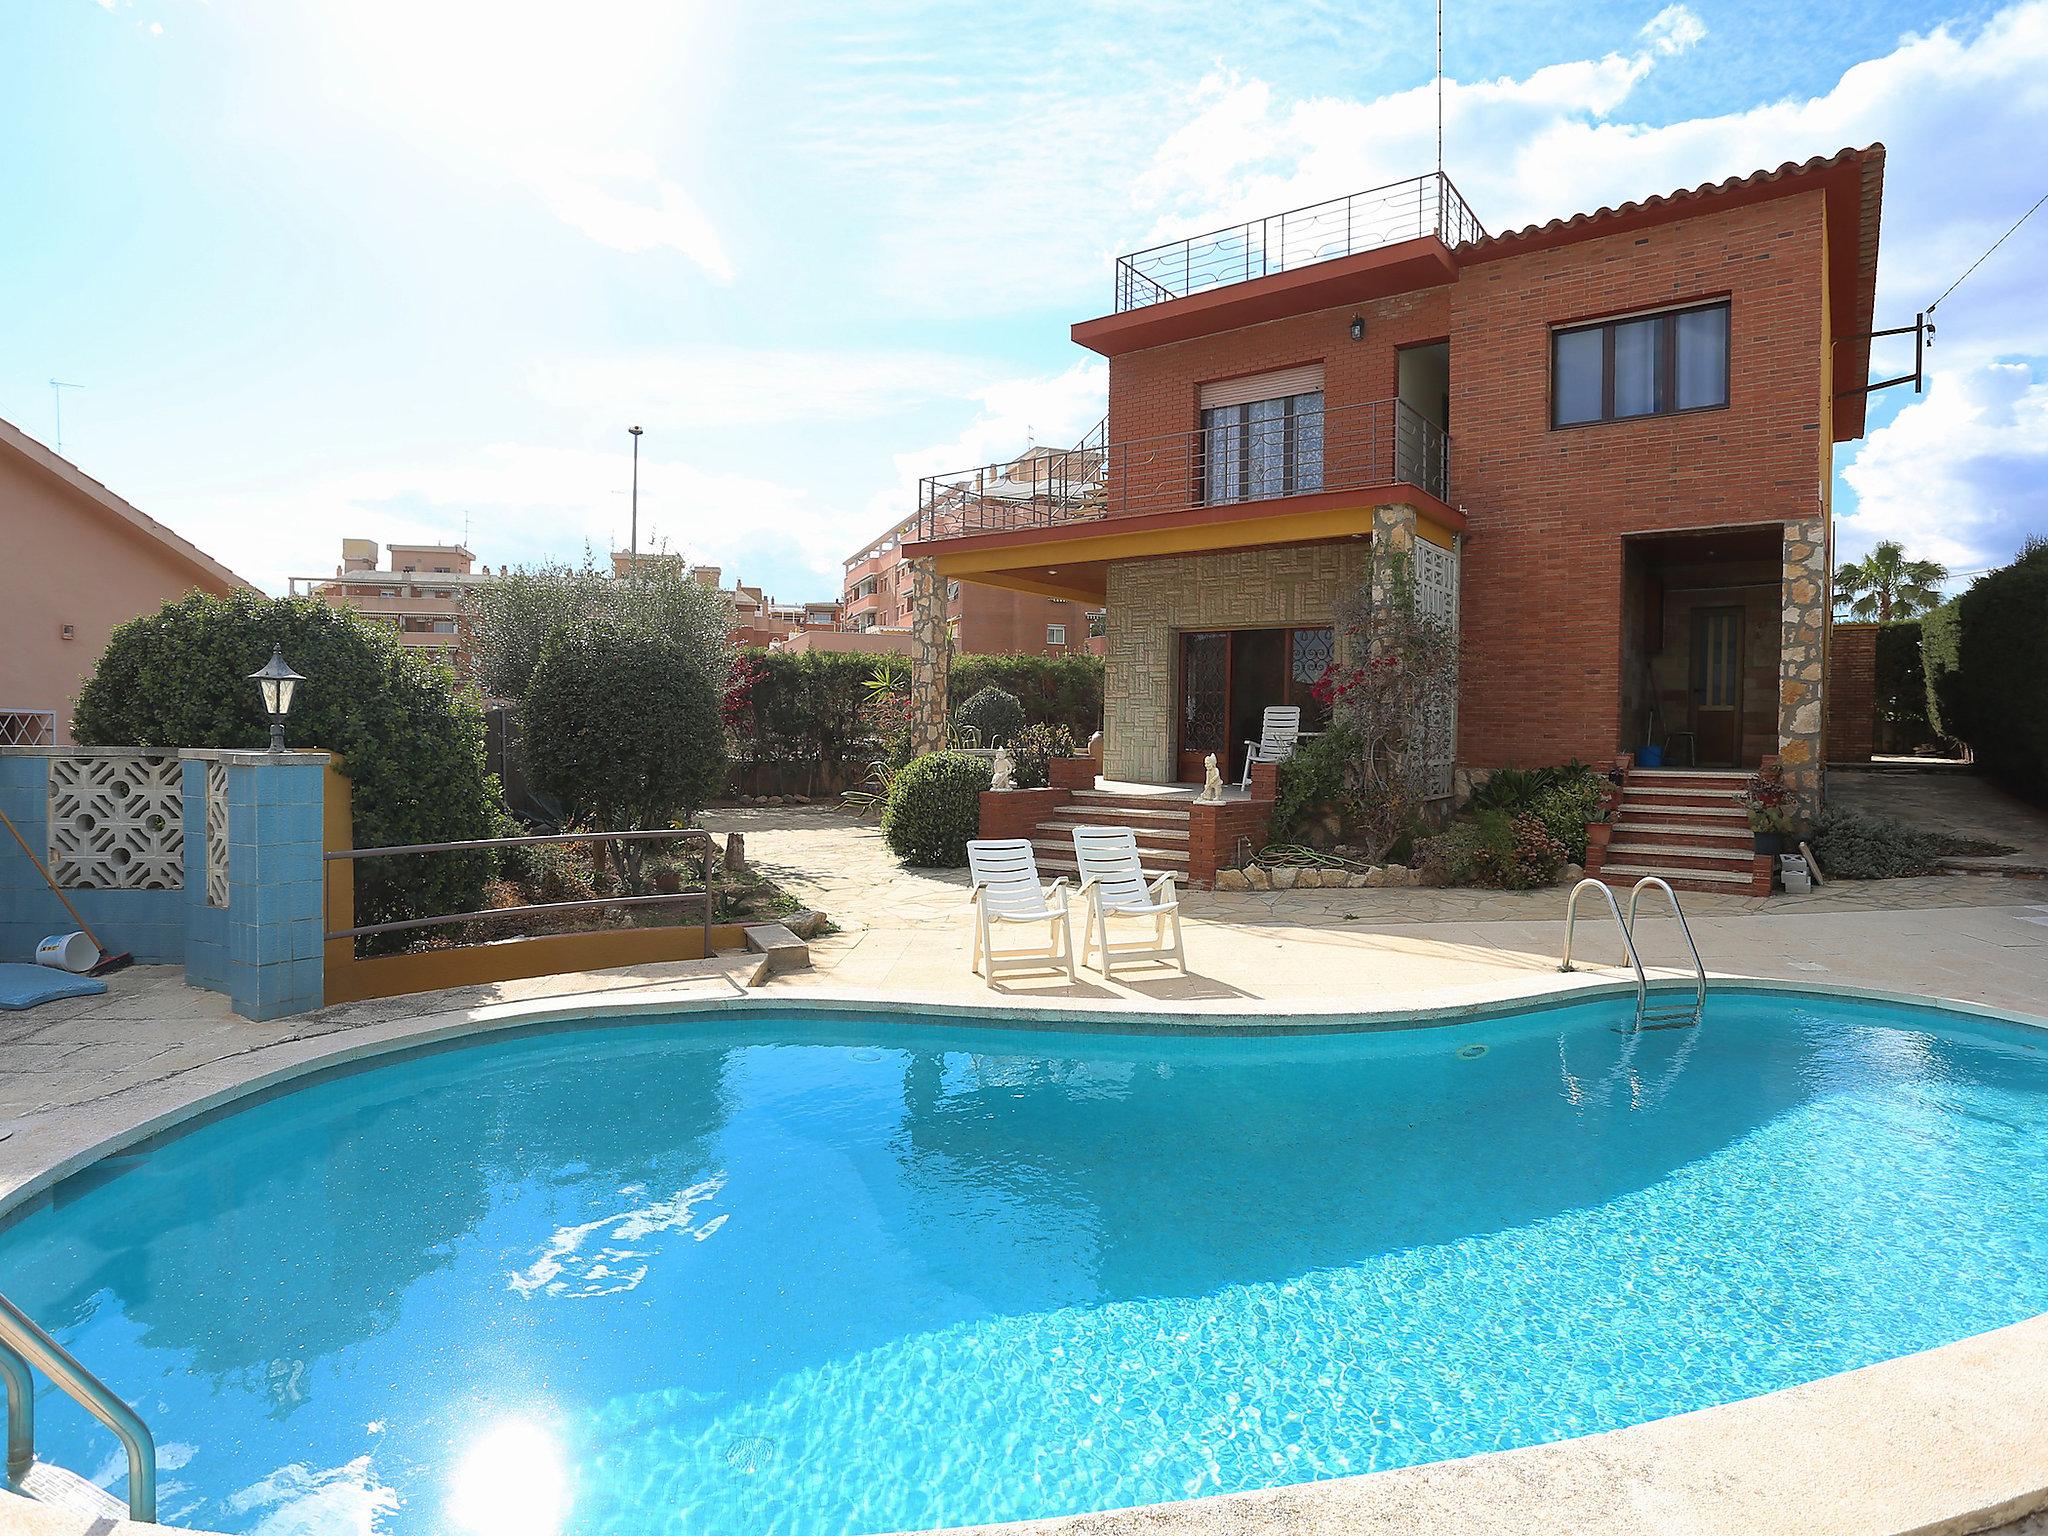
x,y
1338,448
1344,226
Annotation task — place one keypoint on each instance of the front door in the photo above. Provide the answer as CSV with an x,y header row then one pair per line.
x,y
1717,686
1228,679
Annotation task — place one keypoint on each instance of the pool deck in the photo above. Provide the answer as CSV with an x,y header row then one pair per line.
x,y
1954,1440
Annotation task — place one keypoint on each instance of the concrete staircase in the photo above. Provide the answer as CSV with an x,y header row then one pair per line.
x,y
1683,824
1161,822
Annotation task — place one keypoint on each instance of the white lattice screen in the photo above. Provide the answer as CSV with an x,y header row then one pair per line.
x,y
1436,597
117,823
216,835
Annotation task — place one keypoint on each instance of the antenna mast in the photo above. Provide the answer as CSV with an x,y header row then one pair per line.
x,y
1439,89
57,388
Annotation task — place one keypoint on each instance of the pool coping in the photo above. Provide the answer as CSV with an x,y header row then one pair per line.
x,y
1971,1455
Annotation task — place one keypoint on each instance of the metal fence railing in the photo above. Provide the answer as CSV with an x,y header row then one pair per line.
x,y
701,841
1336,448
1280,242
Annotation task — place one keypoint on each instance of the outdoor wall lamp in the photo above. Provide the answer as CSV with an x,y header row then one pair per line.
x,y
1358,327
277,682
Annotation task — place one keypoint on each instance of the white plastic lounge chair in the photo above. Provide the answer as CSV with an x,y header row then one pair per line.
x,y
1006,890
1279,730
1115,887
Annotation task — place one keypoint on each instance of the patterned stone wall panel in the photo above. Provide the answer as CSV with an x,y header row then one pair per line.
x,y
1152,602
117,823
216,835
1802,659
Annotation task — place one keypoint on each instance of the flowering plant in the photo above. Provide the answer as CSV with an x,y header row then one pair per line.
x,y
1768,802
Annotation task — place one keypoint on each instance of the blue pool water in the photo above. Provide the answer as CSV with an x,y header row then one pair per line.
x,y
806,1275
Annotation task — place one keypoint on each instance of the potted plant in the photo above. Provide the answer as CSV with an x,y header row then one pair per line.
x,y
1769,804
1599,826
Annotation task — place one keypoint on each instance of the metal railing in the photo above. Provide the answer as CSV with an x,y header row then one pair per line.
x,y
1654,1017
23,1344
1281,242
28,727
1336,448
701,840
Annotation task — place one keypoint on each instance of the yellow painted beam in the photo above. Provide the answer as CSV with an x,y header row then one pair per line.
x,y
1010,581
1440,536
551,954
1178,539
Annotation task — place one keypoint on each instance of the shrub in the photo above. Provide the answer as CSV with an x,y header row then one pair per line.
x,y
1940,639
1852,847
413,747
1902,718
1310,779
1495,848
935,808
807,707
1567,804
623,727
1510,789
514,616
1035,748
1055,690
996,715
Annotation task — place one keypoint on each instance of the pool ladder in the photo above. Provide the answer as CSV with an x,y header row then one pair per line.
x,y
23,1344
1674,1016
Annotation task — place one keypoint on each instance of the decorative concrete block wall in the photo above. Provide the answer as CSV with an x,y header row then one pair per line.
x,y
110,824
1152,602
213,862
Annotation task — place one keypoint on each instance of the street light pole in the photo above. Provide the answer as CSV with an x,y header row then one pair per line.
x,y
633,548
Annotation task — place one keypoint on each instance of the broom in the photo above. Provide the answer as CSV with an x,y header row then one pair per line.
x,y
106,962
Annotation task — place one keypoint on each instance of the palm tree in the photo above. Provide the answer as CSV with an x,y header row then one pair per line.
x,y
1885,585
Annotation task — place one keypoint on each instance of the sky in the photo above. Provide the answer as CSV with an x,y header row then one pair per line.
x,y
408,269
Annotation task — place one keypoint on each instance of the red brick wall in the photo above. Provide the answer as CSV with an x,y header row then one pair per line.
x,y
1851,692
1017,812
1546,510
1159,390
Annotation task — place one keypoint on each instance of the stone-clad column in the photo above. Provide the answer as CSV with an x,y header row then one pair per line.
x,y
1801,660
930,656
1392,570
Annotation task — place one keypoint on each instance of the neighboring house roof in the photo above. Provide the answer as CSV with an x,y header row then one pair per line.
x,y
13,438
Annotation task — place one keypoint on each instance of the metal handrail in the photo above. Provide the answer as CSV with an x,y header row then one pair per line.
x,y
694,835
1348,447
1699,968
1571,913
23,1343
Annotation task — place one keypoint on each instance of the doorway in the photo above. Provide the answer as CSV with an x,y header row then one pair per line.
x,y
1228,679
1717,686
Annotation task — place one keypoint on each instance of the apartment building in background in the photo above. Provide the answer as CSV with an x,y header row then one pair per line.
x,y
983,620
421,594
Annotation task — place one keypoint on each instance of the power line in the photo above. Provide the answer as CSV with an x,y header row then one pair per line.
x,y
1973,266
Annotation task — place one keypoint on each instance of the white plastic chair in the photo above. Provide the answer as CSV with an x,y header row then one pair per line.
x,y
1115,886
1279,730
1006,890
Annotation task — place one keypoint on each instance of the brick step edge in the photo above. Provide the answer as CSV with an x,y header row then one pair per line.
x,y
1637,854
1064,824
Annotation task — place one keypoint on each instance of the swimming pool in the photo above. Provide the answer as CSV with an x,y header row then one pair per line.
x,y
808,1274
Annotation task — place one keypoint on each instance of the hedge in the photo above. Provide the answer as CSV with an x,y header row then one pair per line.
x,y
1999,685
1940,636
1054,690
806,706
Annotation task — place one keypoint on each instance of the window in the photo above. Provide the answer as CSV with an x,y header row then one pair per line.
x,y
1055,634
1651,365
1263,448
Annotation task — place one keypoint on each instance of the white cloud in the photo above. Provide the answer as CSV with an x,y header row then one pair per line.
x,y
699,386
1960,476
1673,30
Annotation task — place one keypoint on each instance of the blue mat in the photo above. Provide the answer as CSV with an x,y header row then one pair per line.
x,y
23,986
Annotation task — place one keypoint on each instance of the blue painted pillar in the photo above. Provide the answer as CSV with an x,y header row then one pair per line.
x,y
264,946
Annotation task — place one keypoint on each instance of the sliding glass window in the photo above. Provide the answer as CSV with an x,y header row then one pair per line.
x,y
1262,449
1652,365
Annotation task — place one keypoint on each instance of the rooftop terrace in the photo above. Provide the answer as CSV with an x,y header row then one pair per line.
x,y
1280,242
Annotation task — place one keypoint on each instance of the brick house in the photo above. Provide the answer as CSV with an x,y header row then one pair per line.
x,y
1602,446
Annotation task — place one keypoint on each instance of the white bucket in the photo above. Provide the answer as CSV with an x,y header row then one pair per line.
x,y
68,952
